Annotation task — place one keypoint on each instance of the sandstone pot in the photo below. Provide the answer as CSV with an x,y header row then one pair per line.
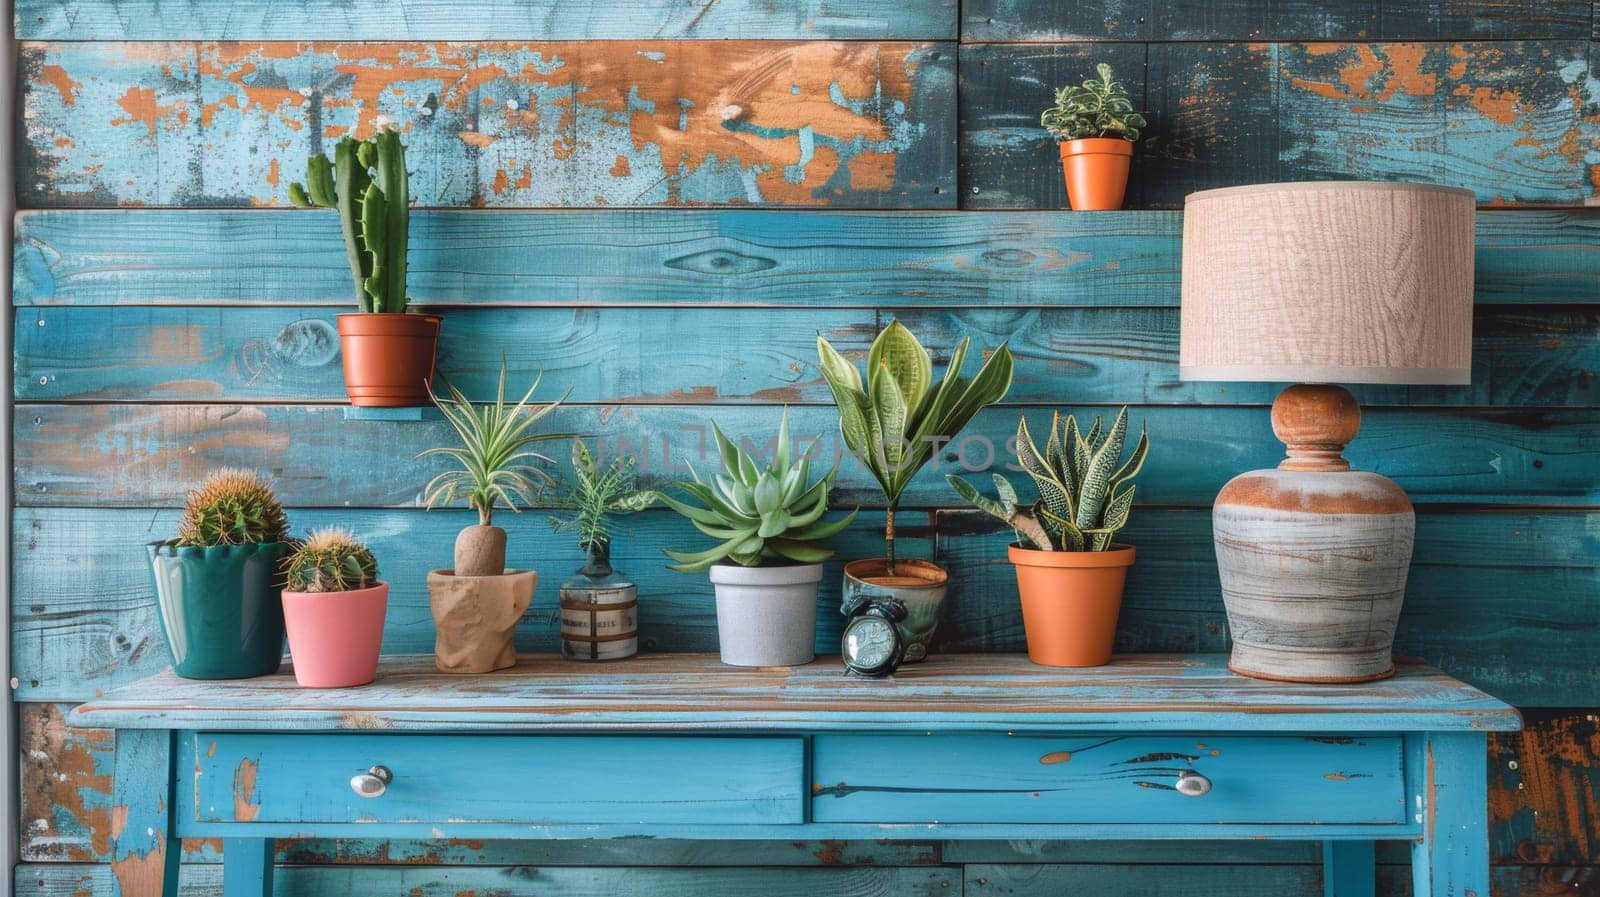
x,y
480,551
919,585
388,357
475,618
1096,172
1070,603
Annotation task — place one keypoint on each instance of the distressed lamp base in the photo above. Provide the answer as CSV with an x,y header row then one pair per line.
x,y
1313,556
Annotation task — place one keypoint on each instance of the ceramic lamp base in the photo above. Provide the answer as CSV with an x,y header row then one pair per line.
x,y
1313,556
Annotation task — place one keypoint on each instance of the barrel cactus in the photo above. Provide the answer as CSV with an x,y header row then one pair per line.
x,y
1085,488
232,507
758,516
366,182
331,560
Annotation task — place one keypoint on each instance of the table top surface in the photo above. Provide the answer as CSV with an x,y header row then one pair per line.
x,y
696,692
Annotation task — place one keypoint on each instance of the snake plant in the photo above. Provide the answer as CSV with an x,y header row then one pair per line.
x,y
1085,488
758,516
893,420
494,454
366,183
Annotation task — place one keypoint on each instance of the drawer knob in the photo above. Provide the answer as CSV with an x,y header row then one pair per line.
x,y
1193,784
373,782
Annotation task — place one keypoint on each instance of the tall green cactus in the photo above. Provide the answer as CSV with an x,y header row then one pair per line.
x,y
1085,493
366,183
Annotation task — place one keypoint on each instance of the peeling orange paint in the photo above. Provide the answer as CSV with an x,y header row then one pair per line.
x,y
273,174
140,104
57,77
501,181
620,170
476,138
245,809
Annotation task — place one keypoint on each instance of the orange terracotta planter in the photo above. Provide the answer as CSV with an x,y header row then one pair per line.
x,y
1096,170
335,637
388,358
1070,601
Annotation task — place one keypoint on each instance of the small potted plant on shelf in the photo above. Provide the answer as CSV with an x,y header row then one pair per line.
x,y
218,585
599,607
388,354
892,422
333,607
766,564
477,603
1095,126
1070,569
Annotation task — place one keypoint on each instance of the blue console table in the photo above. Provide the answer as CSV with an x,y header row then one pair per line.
x,y
680,746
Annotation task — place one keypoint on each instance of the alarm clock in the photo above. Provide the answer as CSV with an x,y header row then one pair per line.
x,y
872,644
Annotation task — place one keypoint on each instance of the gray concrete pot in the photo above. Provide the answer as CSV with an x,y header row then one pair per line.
x,y
766,616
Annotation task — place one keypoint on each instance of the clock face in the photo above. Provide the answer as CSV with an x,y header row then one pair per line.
x,y
869,643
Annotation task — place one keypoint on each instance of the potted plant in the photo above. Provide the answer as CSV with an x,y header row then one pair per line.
x,y
892,422
1070,569
333,607
218,585
388,354
476,604
766,564
599,608
1095,127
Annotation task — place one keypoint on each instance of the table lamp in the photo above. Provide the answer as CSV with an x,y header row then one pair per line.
x,y
1320,284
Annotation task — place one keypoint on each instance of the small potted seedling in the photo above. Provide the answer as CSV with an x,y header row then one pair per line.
x,y
1095,126
599,607
388,354
219,584
333,607
1070,568
766,564
477,603
891,421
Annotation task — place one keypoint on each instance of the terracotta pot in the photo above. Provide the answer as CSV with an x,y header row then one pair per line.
x,y
1096,169
1070,601
388,358
919,585
475,618
335,637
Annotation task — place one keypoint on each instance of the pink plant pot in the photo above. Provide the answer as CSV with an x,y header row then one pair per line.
x,y
334,637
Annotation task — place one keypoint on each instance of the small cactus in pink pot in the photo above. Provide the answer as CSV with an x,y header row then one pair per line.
x,y
334,608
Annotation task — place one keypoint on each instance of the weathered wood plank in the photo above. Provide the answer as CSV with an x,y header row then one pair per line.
x,y
1512,121
371,20
1295,20
86,620
495,124
1242,881
150,455
1480,586
1521,357
56,880
701,257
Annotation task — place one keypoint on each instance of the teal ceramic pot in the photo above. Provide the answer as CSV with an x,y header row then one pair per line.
x,y
916,583
221,607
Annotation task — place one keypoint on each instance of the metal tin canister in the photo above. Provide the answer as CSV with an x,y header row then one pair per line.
x,y
599,618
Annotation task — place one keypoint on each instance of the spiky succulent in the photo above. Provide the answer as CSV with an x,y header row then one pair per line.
x,y
597,495
1097,108
331,560
1082,503
758,515
232,507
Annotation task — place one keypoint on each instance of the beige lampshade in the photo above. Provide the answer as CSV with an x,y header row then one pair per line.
x,y
1335,282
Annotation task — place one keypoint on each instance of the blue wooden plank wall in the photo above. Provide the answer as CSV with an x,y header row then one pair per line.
x,y
662,203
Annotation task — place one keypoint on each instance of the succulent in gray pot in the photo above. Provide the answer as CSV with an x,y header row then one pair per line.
x,y
892,420
478,602
766,565
219,584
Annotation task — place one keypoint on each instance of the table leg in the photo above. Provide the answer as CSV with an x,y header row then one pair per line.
x,y
144,856
1451,859
247,867
1348,869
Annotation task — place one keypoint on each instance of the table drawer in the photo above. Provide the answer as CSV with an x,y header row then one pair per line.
x,y
499,779
1105,779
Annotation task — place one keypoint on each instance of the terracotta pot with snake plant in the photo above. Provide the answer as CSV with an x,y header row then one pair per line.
x,y
477,603
1070,568
892,420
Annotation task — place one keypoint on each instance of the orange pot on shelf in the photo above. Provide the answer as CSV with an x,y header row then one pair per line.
x,y
388,358
1070,602
1096,171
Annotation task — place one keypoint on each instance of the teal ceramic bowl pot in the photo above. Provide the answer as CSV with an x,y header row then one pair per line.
x,y
221,607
